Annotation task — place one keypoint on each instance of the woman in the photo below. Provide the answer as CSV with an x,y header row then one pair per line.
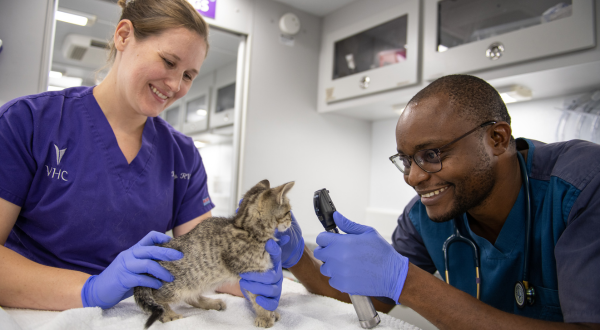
x,y
90,176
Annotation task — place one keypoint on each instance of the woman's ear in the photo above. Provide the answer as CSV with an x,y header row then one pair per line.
x,y
123,34
500,135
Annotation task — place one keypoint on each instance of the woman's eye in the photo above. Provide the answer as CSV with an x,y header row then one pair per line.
x,y
168,63
187,76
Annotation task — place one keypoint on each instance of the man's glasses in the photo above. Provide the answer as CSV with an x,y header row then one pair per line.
x,y
428,159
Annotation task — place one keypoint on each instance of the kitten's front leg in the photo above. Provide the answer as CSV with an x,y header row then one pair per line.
x,y
264,318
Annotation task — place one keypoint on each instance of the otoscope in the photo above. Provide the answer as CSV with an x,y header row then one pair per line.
x,y
324,208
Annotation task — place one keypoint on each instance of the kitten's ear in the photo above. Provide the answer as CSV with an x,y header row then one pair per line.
x,y
264,183
282,191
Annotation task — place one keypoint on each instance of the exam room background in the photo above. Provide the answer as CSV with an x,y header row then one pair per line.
x,y
285,138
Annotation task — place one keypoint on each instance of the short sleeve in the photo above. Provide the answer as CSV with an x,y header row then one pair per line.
x,y
409,243
577,255
196,200
16,142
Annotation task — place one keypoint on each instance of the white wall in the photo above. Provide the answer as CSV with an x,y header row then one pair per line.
x,y
285,138
25,27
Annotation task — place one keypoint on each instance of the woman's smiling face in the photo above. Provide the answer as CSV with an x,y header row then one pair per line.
x,y
154,72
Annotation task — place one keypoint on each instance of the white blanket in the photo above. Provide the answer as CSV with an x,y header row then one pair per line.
x,y
299,309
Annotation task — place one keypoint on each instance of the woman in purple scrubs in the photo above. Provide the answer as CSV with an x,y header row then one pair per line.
x,y
90,176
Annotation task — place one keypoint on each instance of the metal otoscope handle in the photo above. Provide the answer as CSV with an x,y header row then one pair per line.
x,y
324,208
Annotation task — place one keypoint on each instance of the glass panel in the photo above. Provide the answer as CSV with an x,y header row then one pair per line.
x,y
465,21
197,110
173,116
379,46
225,98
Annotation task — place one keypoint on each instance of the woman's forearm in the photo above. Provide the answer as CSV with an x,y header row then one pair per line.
x,y
26,284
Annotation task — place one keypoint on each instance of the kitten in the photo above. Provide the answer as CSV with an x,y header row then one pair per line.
x,y
216,251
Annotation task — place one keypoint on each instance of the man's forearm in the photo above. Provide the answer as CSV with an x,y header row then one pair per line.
x,y
26,284
449,308
308,273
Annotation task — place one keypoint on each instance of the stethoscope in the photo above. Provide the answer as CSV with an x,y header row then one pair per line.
x,y
524,293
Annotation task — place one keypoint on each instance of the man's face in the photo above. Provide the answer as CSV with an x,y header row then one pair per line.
x,y
467,176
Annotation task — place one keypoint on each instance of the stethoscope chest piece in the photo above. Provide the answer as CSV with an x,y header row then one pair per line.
x,y
524,294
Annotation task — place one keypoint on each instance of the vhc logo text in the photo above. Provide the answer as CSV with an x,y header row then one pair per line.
x,y
55,172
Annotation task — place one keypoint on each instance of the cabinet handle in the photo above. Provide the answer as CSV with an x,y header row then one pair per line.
x,y
494,51
364,82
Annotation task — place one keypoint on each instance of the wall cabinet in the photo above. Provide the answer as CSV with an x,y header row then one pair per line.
x,y
208,104
539,44
464,36
223,99
375,54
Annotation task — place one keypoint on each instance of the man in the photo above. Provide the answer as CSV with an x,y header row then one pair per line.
x,y
456,150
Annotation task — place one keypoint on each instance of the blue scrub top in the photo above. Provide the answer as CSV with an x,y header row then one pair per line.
x,y
81,202
565,263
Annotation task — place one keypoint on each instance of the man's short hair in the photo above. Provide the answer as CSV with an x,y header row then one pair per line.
x,y
473,98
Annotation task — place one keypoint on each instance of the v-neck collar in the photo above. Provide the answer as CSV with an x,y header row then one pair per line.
x,y
512,232
128,173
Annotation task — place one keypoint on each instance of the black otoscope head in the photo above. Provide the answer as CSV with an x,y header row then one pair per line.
x,y
324,209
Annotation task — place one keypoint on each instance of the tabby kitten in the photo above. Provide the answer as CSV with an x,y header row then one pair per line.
x,y
216,251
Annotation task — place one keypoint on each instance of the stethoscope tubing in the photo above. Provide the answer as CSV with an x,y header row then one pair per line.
x,y
457,237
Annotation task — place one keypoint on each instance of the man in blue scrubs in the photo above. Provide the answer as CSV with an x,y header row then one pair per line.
x,y
455,149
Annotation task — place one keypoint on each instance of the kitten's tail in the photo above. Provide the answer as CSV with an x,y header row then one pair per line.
x,y
144,298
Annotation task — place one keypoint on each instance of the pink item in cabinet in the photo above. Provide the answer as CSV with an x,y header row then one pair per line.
x,y
391,56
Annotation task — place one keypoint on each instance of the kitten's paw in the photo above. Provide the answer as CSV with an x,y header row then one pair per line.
x,y
170,317
264,321
218,305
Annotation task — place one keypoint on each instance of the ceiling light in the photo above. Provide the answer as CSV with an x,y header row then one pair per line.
x,y
399,108
199,144
55,88
65,81
514,93
55,74
442,48
75,17
201,112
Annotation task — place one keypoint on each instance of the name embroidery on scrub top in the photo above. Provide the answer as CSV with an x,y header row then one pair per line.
x,y
56,172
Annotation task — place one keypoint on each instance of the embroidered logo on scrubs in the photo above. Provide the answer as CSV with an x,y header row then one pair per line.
x,y
57,173
206,201
59,154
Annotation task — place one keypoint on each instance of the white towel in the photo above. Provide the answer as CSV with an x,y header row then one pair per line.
x,y
299,309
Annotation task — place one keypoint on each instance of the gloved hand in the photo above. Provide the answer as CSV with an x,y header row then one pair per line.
x,y
268,284
117,281
291,251
361,262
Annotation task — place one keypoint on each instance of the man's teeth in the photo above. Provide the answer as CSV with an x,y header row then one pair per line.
x,y
164,97
431,194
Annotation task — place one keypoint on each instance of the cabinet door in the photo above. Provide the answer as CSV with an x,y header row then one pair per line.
x,y
463,36
376,54
196,113
223,99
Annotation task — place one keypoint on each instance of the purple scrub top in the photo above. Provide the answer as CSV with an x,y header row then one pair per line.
x,y
81,202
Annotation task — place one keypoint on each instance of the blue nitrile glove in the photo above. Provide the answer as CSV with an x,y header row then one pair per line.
x,y
266,285
117,281
291,251
361,262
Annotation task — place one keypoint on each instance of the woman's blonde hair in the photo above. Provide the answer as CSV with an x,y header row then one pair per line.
x,y
153,17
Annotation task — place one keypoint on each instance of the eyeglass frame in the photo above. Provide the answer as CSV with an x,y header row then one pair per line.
x,y
437,151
